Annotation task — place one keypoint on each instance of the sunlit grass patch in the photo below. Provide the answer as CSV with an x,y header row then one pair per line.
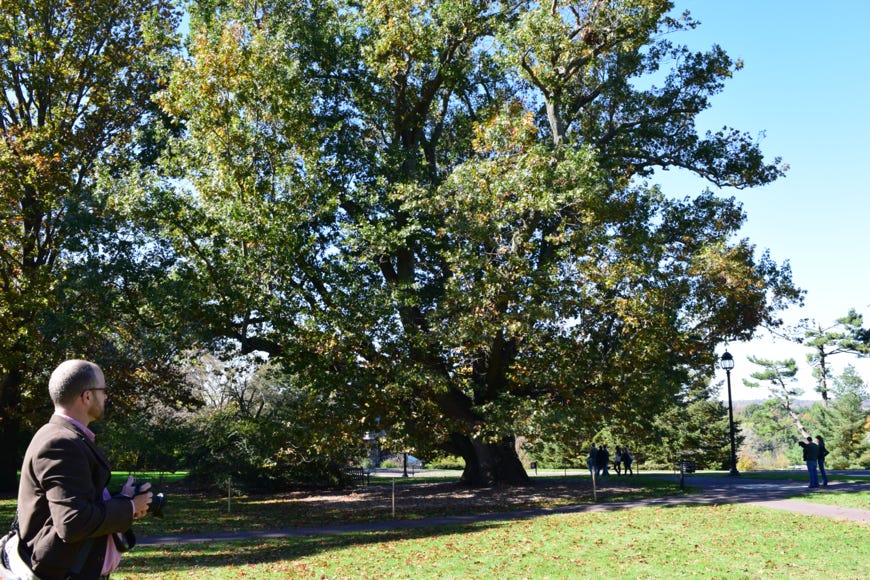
x,y
847,499
730,541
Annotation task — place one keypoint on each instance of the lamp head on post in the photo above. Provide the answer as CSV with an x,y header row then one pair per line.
x,y
726,362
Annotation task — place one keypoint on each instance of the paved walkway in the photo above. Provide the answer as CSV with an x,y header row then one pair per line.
x,y
775,495
714,490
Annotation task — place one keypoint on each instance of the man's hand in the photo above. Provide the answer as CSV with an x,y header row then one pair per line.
x,y
129,488
140,501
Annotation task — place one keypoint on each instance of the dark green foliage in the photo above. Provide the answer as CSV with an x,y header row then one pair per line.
x,y
845,423
153,440
444,462
76,83
252,453
551,455
845,336
262,431
695,427
771,439
435,216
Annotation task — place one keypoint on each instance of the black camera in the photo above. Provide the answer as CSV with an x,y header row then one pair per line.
x,y
158,500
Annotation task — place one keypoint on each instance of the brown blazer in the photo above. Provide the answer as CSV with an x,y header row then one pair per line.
x,y
60,505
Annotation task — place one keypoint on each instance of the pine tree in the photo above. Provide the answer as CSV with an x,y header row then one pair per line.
x,y
847,424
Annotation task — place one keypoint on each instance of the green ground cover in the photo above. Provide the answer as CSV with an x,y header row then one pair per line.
x,y
732,541
847,499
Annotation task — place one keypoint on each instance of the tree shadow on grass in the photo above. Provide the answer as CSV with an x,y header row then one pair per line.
x,y
192,515
287,547
183,558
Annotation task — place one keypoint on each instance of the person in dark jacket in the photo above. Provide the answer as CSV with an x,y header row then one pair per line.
x,y
627,460
602,460
811,457
823,452
66,516
591,460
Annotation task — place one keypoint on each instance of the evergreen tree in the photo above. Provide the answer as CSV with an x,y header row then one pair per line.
x,y
844,336
779,376
770,435
695,427
846,423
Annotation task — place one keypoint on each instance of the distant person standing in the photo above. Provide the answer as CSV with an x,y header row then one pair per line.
x,y
591,460
602,460
617,461
811,457
627,459
823,452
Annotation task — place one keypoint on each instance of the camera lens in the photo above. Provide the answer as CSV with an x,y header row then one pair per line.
x,y
158,500
156,507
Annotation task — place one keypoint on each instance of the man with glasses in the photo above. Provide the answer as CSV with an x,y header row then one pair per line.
x,y
66,516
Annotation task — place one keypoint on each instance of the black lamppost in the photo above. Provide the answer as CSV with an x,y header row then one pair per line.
x,y
727,363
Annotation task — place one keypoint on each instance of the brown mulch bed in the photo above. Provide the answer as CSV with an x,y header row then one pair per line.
x,y
452,497
191,511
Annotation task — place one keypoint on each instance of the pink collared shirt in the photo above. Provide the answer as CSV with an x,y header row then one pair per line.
x,y
113,556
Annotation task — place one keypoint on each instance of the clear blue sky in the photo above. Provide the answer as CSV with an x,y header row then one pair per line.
x,y
805,85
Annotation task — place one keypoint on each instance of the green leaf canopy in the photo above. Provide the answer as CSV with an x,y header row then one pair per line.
x,y
76,80
436,213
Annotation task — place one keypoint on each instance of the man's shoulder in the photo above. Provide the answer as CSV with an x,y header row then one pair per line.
x,y
58,426
58,431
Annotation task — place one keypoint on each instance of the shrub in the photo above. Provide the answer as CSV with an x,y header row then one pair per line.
x,y
255,454
747,463
446,462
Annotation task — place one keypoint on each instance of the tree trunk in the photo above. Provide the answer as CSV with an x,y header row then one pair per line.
x,y
10,430
823,375
489,464
798,423
557,124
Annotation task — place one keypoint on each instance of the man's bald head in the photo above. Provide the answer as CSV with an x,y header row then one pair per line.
x,y
71,378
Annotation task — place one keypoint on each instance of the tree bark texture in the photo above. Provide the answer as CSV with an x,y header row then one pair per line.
x,y
488,464
10,431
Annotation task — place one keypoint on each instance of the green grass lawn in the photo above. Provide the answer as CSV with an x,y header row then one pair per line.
x,y
847,499
732,541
